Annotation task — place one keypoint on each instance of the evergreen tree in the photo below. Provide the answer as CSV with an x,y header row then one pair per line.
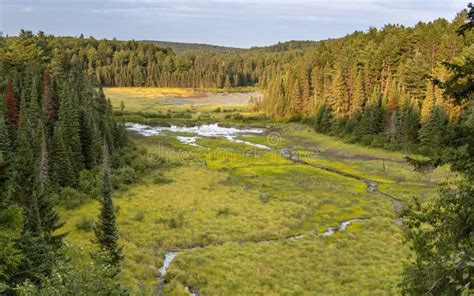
x,y
69,118
433,132
358,95
49,110
106,231
11,105
338,97
61,167
6,163
24,157
38,257
428,103
46,206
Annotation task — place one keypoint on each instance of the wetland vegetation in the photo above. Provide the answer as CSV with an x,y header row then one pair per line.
x,y
337,167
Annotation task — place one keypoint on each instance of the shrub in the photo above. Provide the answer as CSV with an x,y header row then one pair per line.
x,y
177,221
158,178
70,198
123,176
223,212
139,216
85,224
265,197
89,182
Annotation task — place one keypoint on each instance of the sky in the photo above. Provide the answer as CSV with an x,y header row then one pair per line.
x,y
237,23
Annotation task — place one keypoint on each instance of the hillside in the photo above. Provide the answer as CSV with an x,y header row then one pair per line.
x,y
183,47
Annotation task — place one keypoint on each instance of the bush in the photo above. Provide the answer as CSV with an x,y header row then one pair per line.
x,y
70,198
139,216
223,212
158,178
123,176
265,197
177,221
89,182
85,224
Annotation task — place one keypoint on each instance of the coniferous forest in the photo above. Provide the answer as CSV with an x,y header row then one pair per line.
x,y
62,143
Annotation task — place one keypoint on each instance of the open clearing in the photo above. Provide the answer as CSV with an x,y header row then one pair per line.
x,y
245,219
153,99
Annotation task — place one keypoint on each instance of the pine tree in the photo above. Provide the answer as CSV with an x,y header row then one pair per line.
x,y
46,206
13,115
61,167
49,110
38,257
433,131
6,163
338,97
428,103
295,100
24,158
227,83
106,231
358,95
69,118
410,122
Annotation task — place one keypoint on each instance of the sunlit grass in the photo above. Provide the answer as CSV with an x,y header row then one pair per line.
x,y
229,209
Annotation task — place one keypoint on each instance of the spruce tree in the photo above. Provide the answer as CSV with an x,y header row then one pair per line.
x,y
61,167
49,112
6,162
433,131
106,232
46,206
358,95
69,118
24,156
37,255
428,103
11,105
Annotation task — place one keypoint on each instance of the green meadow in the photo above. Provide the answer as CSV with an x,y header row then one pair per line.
x,y
247,220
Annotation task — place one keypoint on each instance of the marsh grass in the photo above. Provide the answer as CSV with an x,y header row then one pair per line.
x,y
230,210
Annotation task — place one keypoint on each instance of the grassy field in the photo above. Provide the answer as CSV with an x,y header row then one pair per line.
x,y
164,100
231,212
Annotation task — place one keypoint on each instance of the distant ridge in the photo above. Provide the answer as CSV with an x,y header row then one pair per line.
x,y
182,47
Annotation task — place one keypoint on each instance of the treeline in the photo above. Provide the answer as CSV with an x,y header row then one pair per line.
x,y
132,63
380,87
56,132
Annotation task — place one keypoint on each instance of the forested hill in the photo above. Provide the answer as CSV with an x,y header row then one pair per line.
x,y
378,87
287,46
183,47
376,54
57,130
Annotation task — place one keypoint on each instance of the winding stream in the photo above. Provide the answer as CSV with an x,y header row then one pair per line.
x,y
231,134
199,131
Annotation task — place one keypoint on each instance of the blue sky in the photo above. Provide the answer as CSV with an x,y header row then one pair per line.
x,y
240,23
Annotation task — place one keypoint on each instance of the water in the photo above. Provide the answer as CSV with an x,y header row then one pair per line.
x,y
342,226
200,131
168,259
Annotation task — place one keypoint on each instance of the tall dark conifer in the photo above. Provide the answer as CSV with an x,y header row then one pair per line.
x,y
106,232
12,108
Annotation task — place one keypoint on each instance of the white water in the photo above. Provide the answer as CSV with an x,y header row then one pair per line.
x,y
168,258
342,226
200,131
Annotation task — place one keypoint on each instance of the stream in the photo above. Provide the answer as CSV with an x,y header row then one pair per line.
x,y
199,131
231,134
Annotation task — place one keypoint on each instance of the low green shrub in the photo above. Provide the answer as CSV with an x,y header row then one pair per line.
x,y
71,198
139,216
85,224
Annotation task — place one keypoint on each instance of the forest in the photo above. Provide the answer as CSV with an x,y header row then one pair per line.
x,y
63,143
